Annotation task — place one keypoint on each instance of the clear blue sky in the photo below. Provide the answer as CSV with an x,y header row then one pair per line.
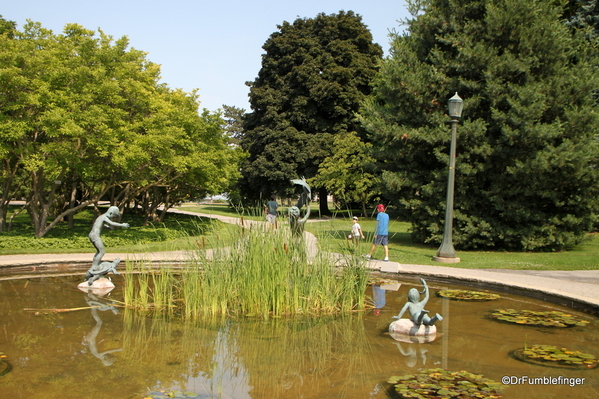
x,y
214,46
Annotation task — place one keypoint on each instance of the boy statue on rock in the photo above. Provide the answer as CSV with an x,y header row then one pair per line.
x,y
416,308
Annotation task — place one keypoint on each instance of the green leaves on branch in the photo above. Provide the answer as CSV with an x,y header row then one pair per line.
x,y
527,149
315,72
84,114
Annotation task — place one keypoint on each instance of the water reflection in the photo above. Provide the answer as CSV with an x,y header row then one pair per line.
x,y
323,357
259,359
98,305
411,354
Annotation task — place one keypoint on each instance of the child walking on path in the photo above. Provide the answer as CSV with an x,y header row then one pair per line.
x,y
356,232
381,232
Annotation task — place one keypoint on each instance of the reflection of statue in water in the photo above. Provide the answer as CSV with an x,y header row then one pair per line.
x,y
99,268
297,224
90,339
412,356
417,313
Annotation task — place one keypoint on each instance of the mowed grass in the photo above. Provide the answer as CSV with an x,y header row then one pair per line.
x,y
331,232
176,232
332,236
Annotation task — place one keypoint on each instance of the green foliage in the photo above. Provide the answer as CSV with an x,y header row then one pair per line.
x,y
552,356
314,74
526,171
265,273
62,238
465,295
440,383
84,115
345,173
537,318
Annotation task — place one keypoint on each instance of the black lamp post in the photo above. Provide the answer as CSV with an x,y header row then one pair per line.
x,y
446,252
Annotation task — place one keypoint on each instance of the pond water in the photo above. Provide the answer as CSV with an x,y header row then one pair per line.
x,y
109,352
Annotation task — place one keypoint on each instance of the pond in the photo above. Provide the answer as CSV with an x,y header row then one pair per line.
x,y
103,351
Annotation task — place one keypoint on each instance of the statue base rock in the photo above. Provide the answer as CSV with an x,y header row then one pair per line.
x,y
101,286
407,327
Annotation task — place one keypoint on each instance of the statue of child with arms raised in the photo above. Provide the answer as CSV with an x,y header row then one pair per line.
x,y
416,308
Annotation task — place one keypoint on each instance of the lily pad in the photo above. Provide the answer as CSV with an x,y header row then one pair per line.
x,y
464,295
537,318
553,356
440,383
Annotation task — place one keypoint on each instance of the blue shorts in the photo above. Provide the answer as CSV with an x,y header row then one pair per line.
x,y
381,240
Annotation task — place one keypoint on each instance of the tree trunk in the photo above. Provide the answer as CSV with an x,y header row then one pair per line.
x,y
322,200
72,202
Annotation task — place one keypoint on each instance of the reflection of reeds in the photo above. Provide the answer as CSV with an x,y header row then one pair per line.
x,y
265,273
328,356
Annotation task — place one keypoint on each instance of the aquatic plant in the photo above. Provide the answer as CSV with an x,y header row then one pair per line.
x,y
464,295
552,318
440,383
552,356
265,273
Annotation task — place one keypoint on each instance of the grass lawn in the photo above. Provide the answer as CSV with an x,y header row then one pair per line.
x,y
332,237
177,232
181,232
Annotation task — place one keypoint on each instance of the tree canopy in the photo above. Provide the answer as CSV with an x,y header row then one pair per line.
x,y
84,118
526,173
314,74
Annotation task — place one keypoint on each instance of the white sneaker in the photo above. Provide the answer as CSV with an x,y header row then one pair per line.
x,y
366,256
386,259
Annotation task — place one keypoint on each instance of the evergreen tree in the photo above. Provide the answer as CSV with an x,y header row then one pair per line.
x,y
583,15
526,173
314,74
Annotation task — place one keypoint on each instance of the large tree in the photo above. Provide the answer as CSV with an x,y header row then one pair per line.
x,y
83,118
314,74
527,175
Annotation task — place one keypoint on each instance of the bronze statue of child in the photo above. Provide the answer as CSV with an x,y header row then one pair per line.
x,y
104,220
416,308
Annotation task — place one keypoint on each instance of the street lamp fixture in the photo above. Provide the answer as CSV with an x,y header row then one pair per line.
x,y
446,252
455,104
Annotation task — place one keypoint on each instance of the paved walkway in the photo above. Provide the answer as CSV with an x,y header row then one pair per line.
x,y
571,288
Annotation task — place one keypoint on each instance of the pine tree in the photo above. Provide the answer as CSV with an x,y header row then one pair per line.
x,y
526,173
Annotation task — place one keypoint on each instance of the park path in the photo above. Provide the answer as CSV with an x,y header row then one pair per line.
x,y
578,288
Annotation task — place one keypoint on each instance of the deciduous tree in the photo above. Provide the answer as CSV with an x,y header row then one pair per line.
x,y
346,174
315,72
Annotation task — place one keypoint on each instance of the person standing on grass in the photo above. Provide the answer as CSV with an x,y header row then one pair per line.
x,y
271,209
356,232
381,232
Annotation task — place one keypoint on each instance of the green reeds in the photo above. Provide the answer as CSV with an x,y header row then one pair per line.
x,y
265,273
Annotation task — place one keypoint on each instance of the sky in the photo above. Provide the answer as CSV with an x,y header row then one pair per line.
x,y
213,46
